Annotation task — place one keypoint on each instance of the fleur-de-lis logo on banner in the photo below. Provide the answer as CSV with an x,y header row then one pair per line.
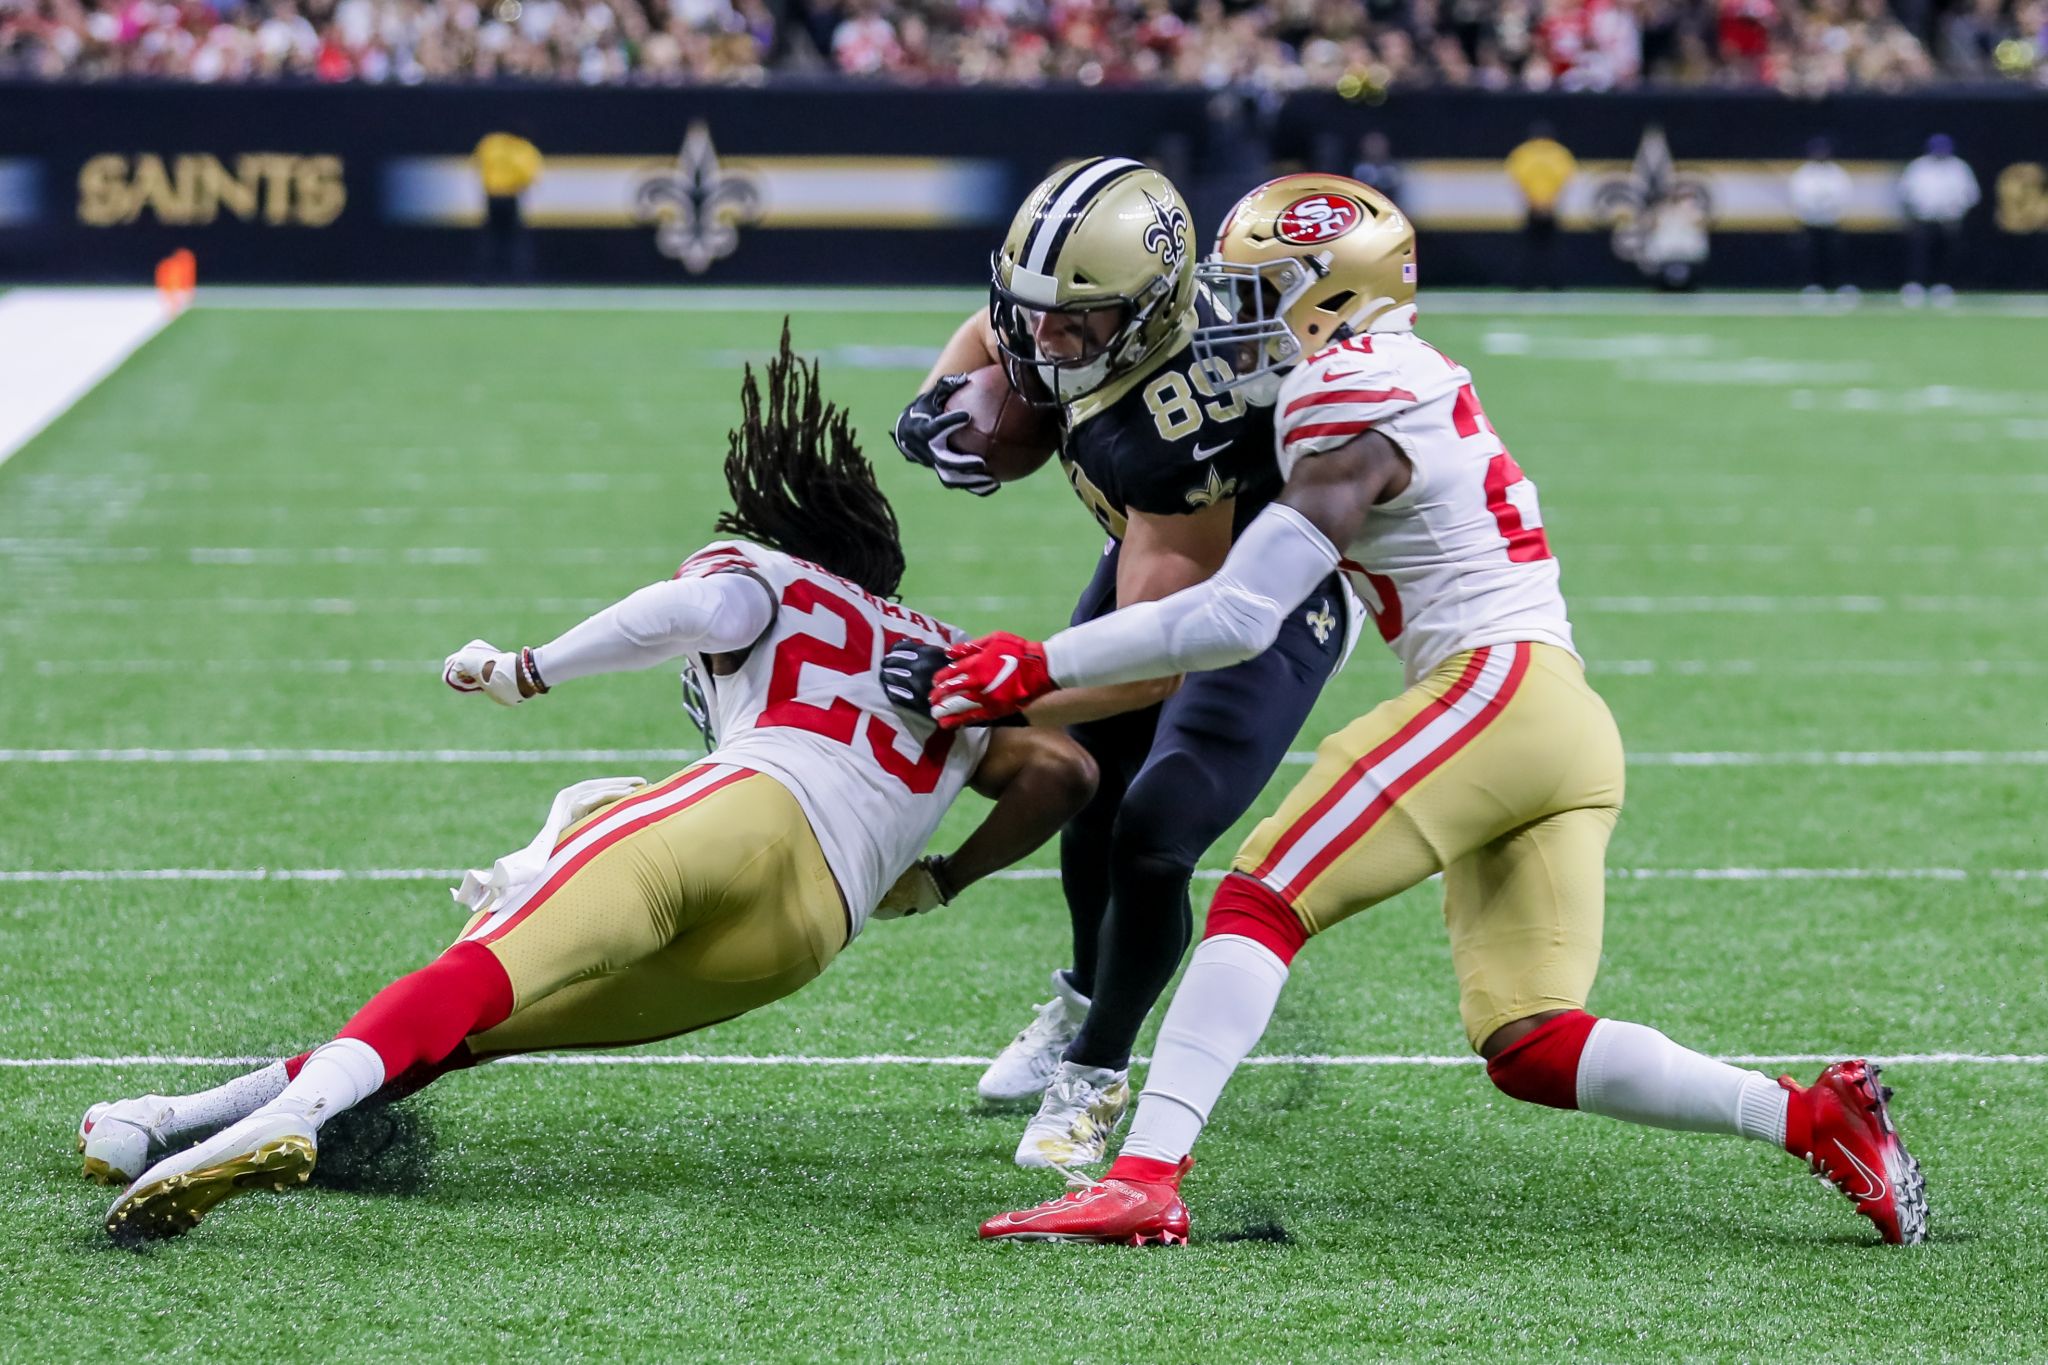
x,y
1656,212
698,208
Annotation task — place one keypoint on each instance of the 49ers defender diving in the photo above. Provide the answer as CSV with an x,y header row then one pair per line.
x,y
1498,767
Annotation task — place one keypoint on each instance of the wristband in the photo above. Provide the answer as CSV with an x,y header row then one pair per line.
x,y
529,672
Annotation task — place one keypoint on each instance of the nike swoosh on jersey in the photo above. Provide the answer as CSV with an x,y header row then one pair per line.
x,y
1211,452
1872,1178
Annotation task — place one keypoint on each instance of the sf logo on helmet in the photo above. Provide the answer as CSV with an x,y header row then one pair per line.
x,y
1318,218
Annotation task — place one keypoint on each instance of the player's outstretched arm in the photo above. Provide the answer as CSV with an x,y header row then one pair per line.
x,y
716,614
1039,780
1280,559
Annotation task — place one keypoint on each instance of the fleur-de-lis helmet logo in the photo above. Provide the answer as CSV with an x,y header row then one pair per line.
x,y
1168,234
699,207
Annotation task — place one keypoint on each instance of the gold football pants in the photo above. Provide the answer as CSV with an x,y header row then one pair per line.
x,y
680,905
1502,770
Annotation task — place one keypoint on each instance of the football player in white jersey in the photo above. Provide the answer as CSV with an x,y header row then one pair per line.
x,y
1498,767
671,906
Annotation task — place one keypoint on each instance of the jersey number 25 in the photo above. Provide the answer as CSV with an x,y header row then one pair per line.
x,y
842,720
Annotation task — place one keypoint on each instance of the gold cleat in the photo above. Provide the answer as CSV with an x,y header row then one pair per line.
x,y
100,1173
262,1152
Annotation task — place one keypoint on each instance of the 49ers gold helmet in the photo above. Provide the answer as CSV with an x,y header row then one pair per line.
x,y
1095,277
1301,262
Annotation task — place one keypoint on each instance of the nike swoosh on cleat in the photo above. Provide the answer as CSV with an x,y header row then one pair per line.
x,y
1030,1216
1871,1178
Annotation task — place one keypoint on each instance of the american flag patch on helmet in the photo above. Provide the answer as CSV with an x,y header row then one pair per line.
x,y
1407,272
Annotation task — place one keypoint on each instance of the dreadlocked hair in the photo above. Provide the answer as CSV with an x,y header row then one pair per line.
x,y
799,483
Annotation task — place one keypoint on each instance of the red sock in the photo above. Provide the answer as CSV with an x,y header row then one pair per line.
x,y
422,1018
292,1065
1543,1066
1798,1122
1145,1169
1245,907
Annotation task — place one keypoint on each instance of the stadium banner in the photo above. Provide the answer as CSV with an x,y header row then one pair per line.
x,y
837,183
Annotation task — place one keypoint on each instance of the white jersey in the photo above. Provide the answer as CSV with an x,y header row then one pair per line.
x,y
807,709
1459,558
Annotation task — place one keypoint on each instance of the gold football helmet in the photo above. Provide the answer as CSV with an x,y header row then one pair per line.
x,y
1096,276
1301,262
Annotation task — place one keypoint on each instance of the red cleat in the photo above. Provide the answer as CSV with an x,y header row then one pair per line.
x,y
1840,1126
1137,1203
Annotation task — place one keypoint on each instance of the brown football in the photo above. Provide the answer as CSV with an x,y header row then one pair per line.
x,y
1013,437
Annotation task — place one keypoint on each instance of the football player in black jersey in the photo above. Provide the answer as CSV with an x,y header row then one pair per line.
x,y
1092,306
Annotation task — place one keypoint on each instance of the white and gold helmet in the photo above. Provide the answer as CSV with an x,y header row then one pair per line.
x,y
1095,277
1301,262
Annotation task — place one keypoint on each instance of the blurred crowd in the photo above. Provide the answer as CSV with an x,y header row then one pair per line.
x,y
1362,48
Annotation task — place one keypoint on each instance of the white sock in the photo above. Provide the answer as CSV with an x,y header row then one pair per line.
x,y
1215,1019
1635,1073
206,1112
339,1075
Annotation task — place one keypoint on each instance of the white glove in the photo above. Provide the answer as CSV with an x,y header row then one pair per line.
x,y
481,666
915,892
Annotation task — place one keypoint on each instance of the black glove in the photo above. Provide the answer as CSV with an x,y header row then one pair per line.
x,y
907,673
921,433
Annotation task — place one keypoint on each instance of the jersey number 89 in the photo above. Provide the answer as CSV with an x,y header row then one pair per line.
x,y
1174,408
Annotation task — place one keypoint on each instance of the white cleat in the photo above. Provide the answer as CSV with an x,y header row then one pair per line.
x,y
1026,1066
118,1139
262,1152
1083,1108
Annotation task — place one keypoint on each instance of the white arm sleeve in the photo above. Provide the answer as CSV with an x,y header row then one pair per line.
x,y
708,615
1278,561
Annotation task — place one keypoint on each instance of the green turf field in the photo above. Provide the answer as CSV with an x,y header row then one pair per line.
x,y
1806,564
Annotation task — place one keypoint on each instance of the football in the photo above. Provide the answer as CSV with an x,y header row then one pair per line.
x,y
1011,435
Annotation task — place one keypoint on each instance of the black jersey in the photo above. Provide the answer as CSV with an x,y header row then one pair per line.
x,y
1172,443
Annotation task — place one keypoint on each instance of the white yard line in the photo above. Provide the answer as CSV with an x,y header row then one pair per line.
x,y
739,300
1679,604
651,299
349,755
879,1059
1728,758
1684,668
1769,604
55,344
63,876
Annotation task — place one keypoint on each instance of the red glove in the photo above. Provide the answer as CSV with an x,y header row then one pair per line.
x,y
995,676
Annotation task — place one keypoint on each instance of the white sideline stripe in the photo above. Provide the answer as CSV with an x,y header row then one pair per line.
x,y
1013,874
1348,1059
55,344
1727,758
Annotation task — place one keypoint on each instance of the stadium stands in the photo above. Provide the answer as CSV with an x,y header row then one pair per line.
x,y
1362,48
